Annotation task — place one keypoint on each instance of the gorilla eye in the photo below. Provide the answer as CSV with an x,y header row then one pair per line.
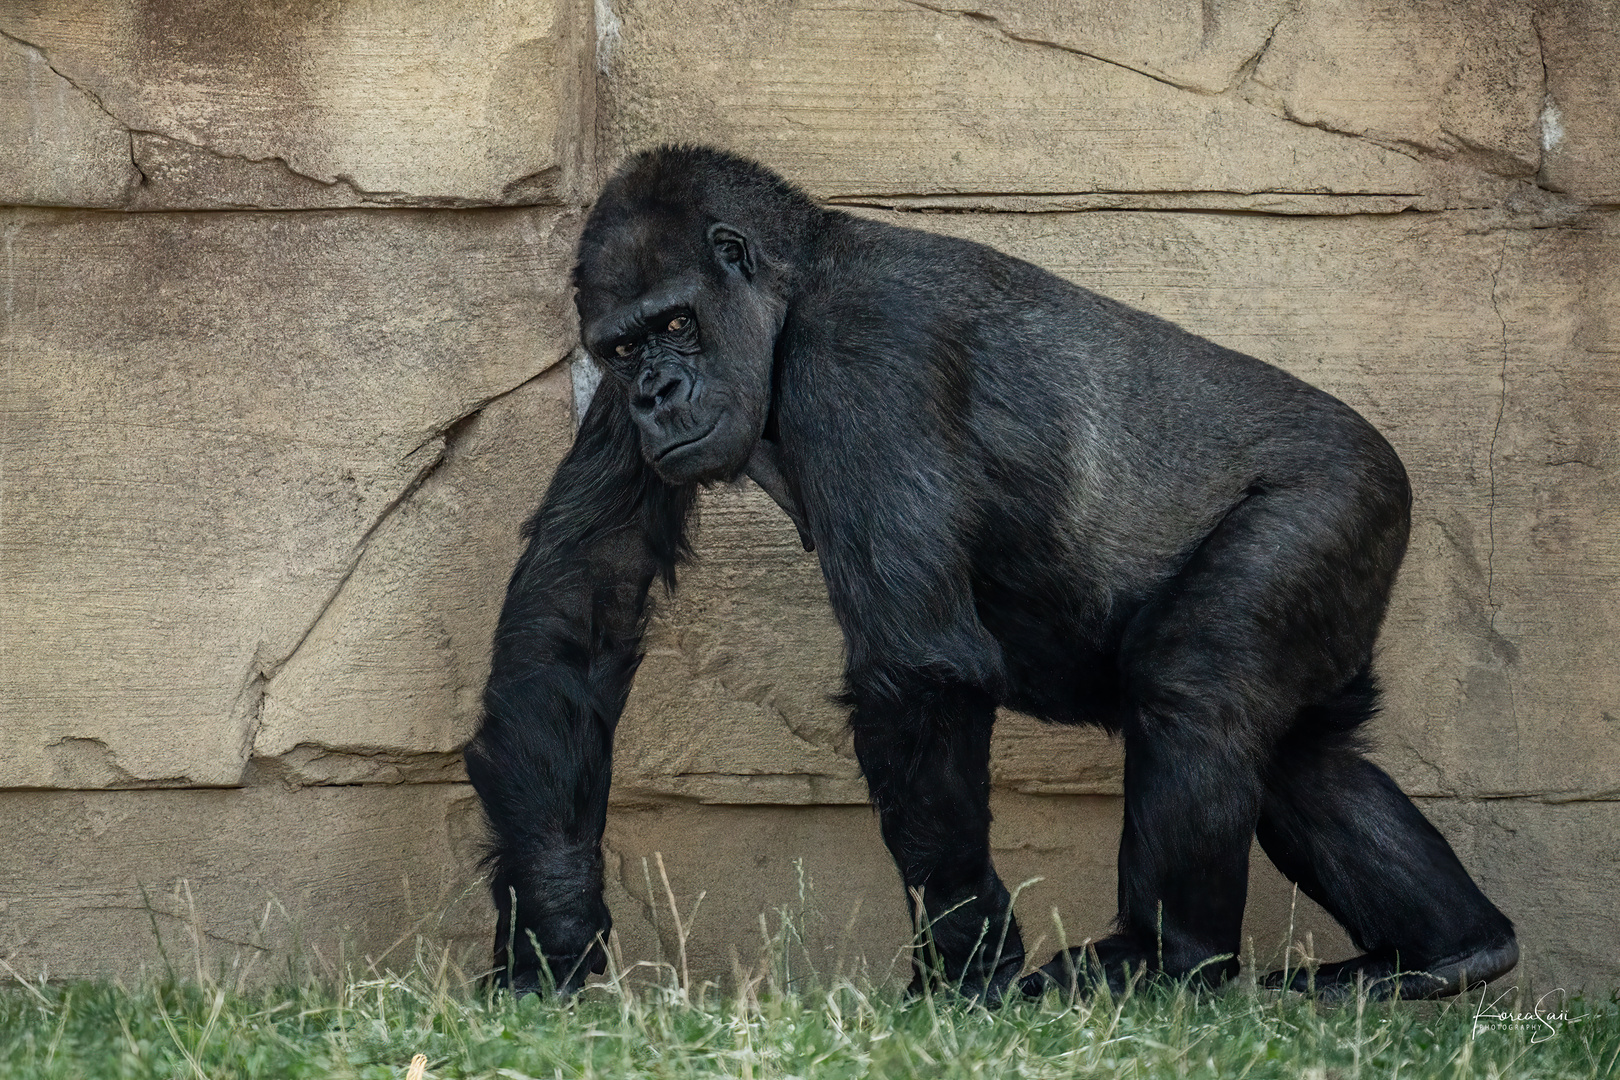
x,y
679,322
623,350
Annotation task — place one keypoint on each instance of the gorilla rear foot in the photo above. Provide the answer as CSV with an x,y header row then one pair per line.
x,y
1384,977
1342,829
1117,961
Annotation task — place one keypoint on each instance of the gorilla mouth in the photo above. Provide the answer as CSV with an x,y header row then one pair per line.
x,y
684,443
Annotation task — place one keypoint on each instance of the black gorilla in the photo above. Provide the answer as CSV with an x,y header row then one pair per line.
x,y
1021,493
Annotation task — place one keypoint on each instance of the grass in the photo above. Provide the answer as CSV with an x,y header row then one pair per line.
x,y
373,1027
782,1018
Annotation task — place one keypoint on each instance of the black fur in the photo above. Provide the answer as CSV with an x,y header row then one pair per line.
x,y
1021,493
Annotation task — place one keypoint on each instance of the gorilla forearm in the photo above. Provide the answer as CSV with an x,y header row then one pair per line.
x,y
566,649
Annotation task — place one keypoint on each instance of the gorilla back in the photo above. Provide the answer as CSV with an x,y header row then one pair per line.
x,y
1020,493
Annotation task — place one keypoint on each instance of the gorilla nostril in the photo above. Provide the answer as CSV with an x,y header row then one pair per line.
x,y
668,390
658,387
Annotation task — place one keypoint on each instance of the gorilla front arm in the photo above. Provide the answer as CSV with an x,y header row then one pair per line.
x,y
566,648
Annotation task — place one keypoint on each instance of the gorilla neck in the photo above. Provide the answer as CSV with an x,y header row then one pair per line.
x,y
765,469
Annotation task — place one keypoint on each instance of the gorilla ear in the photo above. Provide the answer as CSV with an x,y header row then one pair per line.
x,y
732,248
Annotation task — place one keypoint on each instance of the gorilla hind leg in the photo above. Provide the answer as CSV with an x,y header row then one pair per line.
x,y
1278,605
1337,825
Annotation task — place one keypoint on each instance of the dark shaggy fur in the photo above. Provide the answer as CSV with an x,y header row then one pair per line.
x,y
1021,493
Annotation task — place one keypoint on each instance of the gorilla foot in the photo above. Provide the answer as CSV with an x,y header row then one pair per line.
x,y
979,985
1117,961
1382,977
549,975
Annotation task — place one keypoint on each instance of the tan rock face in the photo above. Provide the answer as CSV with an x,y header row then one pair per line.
x,y
263,471
238,881
211,420
324,105
61,149
1579,125
1004,103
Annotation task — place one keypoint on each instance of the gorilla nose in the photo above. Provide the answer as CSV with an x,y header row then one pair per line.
x,y
659,387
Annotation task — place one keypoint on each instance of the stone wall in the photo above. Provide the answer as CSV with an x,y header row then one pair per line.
x,y
286,337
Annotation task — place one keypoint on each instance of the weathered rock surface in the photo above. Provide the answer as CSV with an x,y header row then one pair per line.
x,y
103,883
212,105
208,422
62,149
1262,104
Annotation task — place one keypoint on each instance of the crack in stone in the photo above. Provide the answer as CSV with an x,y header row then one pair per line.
x,y
1446,788
339,180
450,430
263,672
537,181
133,132
91,95
995,24
1267,202
1404,147
1481,157
319,764
1490,555
1490,459
268,672
92,756
46,60
1491,160
525,190
1548,798
833,199
1246,70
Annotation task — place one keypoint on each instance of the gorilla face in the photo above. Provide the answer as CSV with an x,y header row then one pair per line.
x,y
677,312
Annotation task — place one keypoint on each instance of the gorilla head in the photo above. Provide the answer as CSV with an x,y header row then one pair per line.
x,y
682,291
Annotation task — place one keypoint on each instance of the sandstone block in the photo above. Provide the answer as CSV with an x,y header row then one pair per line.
x,y
238,883
374,104
208,419
1172,102
1580,126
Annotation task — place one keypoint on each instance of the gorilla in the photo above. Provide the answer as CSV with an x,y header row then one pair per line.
x,y
1021,493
